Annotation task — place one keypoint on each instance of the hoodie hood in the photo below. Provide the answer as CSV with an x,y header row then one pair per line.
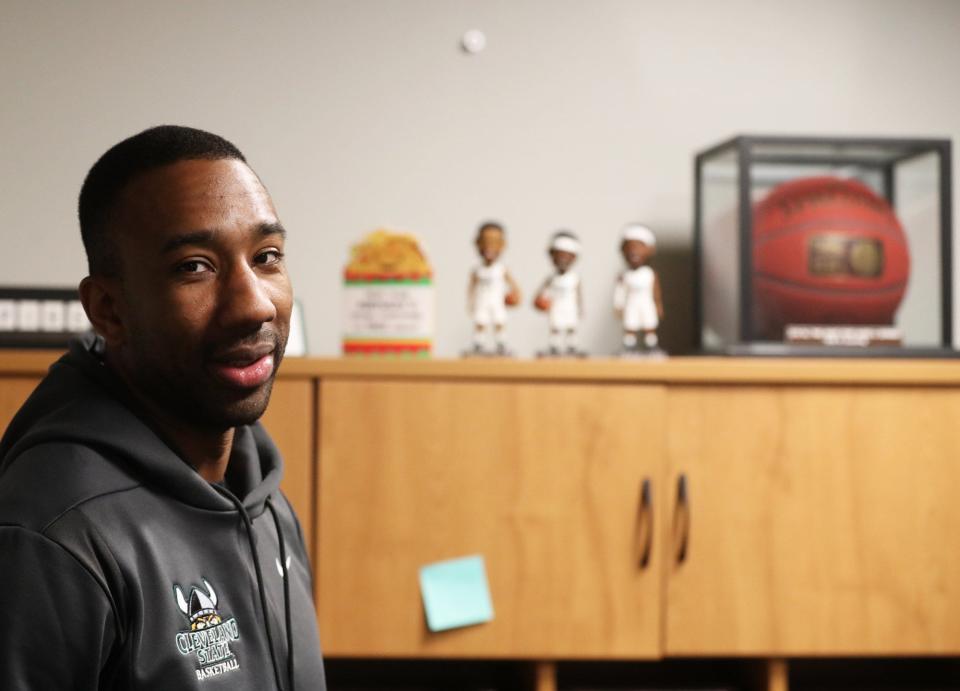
x,y
83,402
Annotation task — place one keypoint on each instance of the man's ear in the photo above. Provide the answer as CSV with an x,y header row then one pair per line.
x,y
100,297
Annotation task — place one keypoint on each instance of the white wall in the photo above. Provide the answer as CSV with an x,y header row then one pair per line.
x,y
357,114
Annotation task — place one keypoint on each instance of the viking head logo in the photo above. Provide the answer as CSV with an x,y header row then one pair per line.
x,y
201,610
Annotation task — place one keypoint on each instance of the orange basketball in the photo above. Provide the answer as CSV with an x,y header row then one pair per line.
x,y
542,302
512,299
826,251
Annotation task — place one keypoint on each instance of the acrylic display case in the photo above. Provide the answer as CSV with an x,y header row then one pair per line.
x,y
823,246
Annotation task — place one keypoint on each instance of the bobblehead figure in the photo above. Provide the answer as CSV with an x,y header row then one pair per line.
x,y
636,297
492,290
561,298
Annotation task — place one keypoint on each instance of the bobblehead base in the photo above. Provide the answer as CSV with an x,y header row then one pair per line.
x,y
479,351
564,354
642,353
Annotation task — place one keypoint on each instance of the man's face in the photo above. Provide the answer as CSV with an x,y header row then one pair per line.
x,y
490,244
636,253
204,295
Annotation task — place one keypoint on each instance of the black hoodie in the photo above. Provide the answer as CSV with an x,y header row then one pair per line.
x,y
122,568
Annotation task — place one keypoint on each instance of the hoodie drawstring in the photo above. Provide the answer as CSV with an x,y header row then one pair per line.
x,y
251,537
284,567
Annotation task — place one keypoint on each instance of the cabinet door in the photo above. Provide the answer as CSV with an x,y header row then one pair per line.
x,y
13,392
289,419
542,480
821,521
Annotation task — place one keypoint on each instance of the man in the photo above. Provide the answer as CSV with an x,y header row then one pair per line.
x,y
144,541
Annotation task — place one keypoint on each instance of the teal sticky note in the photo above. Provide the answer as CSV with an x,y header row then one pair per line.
x,y
455,593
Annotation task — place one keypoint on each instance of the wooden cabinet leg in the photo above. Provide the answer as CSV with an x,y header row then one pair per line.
x,y
777,675
544,676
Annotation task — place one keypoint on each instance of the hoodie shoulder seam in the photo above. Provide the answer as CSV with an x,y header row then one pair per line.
x,y
77,504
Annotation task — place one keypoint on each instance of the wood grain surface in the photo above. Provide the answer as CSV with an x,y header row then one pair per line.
x,y
542,480
822,521
289,419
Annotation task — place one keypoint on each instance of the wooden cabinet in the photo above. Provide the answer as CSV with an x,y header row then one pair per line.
x,y
817,515
821,521
542,479
816,520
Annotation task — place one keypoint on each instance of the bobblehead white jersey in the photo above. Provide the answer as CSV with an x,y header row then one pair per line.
x,y
563,291
634,295
490,294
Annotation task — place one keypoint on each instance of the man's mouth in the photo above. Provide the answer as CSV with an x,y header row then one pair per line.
x,y
245,368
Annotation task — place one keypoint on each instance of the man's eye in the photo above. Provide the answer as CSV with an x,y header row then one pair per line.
x,y
268,257
194,266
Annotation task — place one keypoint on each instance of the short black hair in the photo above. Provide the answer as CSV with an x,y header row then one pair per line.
x,y
153,148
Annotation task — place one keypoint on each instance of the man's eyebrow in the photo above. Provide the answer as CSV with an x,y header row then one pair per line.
x,y
196,237
205,237
272,229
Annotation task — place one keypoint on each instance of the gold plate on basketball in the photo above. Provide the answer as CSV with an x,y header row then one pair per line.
x,y
834,255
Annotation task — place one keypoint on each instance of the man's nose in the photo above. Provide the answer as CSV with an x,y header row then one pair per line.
x,y
245,299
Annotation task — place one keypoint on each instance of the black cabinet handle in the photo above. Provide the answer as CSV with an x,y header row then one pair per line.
x,y
681,521
645,523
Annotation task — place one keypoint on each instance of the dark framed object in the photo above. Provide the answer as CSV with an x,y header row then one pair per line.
x,y
733,177
40,317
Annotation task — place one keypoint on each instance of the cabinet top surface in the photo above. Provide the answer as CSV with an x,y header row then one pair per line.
x,y
675,370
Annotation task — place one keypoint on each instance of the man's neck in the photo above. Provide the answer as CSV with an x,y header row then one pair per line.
x,y
207,450
208,454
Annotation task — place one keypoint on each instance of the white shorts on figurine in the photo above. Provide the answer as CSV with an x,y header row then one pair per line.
x,y
640,315
563,317
635,293
489,310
